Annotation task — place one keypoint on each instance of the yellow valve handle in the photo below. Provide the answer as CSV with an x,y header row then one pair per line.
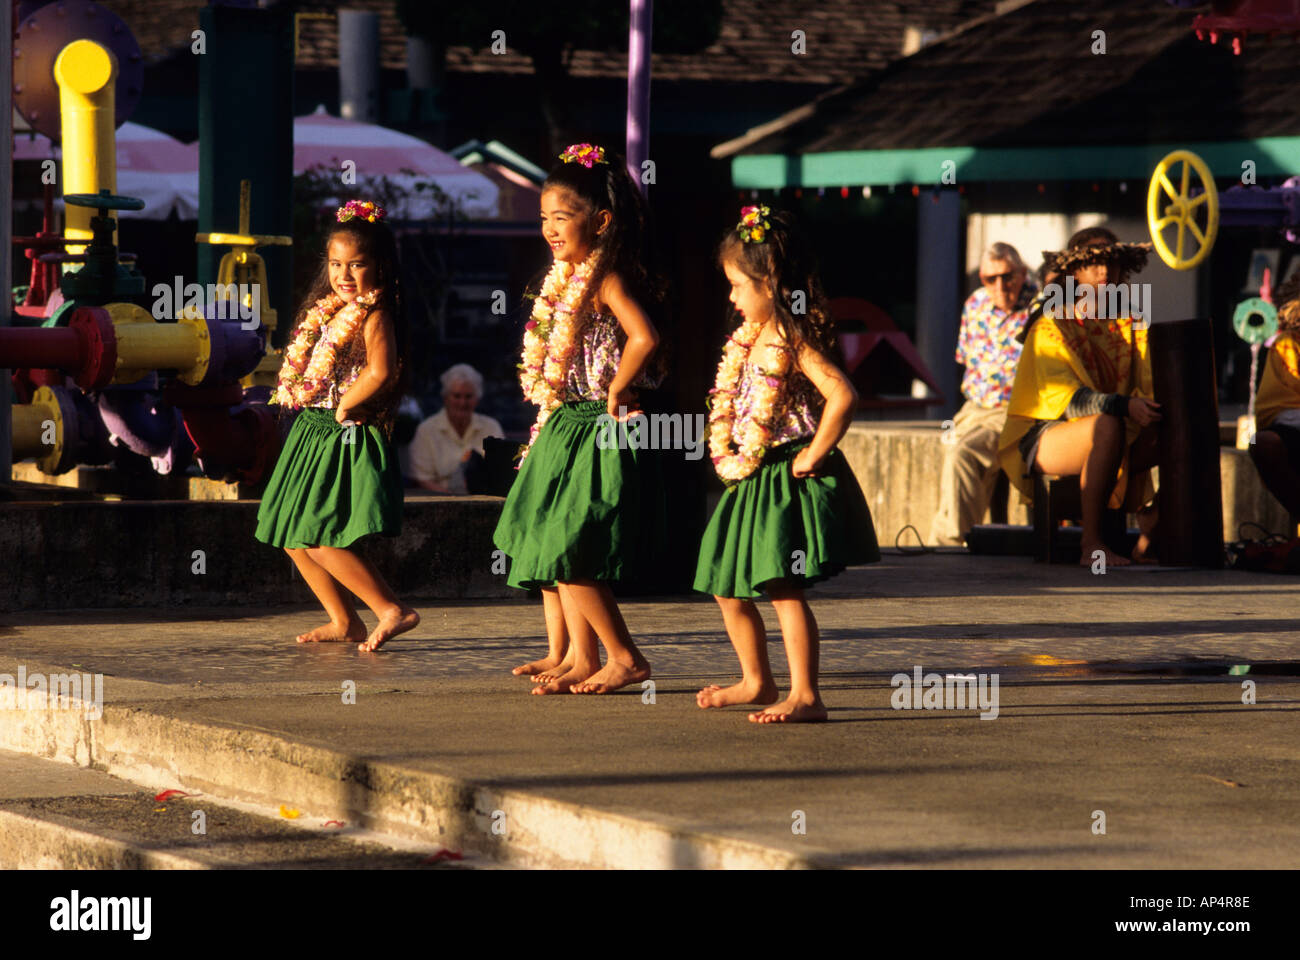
x,y
244,239
1167,206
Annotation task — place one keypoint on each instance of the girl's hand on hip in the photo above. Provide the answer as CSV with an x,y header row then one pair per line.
x,y
805,464
346,415
625,399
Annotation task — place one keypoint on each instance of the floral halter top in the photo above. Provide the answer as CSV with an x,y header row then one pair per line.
x,y
591,375
796,413
381,408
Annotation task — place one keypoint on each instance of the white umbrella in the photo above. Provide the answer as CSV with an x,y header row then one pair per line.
x,y
320,138
158,169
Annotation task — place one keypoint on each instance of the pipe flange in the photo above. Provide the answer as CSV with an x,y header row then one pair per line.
x,y
98,339
40,37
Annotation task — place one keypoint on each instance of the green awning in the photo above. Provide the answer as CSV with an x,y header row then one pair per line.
x,y
1273,156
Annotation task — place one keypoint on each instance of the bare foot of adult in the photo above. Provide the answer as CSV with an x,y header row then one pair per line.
x,y
391,624
1142,551
564,682
352,632
612,676
743,692
1146,520
792,711
537,667
1089,555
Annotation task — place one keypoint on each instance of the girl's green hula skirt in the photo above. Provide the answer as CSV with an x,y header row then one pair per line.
x,y
772,526
580,512
331,486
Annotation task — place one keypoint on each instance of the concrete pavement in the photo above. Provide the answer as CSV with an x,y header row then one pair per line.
x,y
1120,700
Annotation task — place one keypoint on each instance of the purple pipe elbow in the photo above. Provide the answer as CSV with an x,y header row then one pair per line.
x,y
236,351
141,422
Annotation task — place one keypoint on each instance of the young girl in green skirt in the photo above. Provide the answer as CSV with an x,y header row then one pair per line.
x,y
579,514
792,513
337,478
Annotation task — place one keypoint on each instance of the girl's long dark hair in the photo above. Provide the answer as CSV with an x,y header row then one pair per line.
x,y
783,263
376,241
623,247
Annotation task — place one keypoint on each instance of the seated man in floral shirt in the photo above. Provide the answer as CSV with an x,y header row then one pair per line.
x,y
987,346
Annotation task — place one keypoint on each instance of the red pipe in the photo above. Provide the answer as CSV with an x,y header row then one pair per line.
x,y
86,349
61,347
232,440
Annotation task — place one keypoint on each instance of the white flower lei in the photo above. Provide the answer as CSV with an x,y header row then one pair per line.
x,y
551,338
309,360
732,464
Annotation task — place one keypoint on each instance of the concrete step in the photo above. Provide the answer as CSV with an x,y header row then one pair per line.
x,y
56,816
234,766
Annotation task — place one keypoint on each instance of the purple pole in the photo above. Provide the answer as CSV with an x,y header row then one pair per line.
x,y
6,225
640,15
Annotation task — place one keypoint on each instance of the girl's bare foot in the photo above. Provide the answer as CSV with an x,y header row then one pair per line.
x,y
536,668
391,624
792,710
1113,559
332,632
612,676
555,673
743,692
564,682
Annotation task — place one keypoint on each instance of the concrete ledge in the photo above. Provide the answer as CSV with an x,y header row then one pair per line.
x,y
898,464
57,843
251,766
62,555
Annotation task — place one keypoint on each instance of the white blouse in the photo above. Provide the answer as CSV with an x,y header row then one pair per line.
x,y
437,451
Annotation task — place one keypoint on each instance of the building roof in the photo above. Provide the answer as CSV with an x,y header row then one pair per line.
x,y
845,38
1029,78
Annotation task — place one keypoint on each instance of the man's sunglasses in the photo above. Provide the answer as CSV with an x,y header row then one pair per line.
x,y
1006,278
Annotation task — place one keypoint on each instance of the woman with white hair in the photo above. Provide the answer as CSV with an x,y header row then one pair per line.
x,y
445,442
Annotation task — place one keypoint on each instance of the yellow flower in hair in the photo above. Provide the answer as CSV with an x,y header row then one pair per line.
x,y
753,224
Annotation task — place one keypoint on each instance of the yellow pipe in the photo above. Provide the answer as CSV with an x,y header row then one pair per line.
x,y
144,345
86,74
33,424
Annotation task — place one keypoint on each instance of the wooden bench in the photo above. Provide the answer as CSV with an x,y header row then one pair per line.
x,y
1057,499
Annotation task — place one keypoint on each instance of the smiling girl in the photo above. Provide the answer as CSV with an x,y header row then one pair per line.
x,y
579,515
337,478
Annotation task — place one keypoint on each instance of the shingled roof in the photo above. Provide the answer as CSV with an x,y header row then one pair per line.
x,y
1028,77
845,38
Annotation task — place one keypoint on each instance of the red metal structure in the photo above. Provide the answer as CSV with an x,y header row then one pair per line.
x,y
1236,19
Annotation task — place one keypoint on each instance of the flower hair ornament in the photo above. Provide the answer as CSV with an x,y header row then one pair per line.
x,y
754,224
361,210
587,154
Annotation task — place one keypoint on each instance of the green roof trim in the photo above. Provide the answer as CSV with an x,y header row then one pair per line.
x,y
1273,156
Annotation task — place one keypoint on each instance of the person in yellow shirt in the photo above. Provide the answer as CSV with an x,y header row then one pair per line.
x,y
1276,450
1081,404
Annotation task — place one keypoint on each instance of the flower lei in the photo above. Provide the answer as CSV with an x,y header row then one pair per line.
x,y
309,360
732,464
362,210
551,338
754,224
587,154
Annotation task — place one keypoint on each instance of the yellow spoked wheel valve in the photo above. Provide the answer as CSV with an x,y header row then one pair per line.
x,y
1169,206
